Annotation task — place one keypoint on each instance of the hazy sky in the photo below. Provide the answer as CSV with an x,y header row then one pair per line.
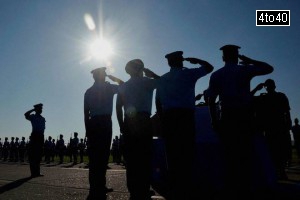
x,y
45,56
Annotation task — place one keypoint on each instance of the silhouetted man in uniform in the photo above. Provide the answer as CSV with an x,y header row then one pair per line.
x,y
135,95
47,149
38,123
12,149
22,149
176,107
53,150
81,147
5,149
16,150
60,146
98,104
296,135
74,147
231,84
277,121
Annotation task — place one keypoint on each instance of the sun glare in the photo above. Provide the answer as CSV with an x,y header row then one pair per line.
x,y
101,49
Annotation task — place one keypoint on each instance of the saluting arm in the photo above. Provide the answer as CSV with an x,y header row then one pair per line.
x,y
115,79
208,67
257,88
150,74
267,68
27,114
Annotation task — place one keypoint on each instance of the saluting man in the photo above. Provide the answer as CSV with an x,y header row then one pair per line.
x,y
38,123
176,107
98,104
135,96
231,84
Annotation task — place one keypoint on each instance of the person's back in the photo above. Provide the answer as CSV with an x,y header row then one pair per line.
x,y
276,107
98,105
135,96
176,109
137,93
234,124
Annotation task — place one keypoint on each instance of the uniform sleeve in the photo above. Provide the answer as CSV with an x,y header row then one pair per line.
x,y
197,73
254,70
30,117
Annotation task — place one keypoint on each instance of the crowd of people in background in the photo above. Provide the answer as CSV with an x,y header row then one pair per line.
x,y
56,151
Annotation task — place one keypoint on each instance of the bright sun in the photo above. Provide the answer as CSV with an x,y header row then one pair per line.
x,y
101,49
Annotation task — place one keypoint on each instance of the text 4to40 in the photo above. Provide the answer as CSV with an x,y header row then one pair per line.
x,y
272,17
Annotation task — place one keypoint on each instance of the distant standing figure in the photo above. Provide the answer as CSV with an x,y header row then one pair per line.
x,y
12,149
176,108
47,149
98,104
81,147
38,123
234,125
74,147
53,150
16,150
22,149
5,149
61,148
296,135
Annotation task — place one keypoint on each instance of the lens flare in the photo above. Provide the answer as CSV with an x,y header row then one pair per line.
x,y
89,22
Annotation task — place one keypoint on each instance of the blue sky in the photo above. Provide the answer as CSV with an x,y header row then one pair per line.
x,y
44,50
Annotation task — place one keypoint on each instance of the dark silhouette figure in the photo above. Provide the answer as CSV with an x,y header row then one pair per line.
x,y
22,149
98,104
5,149
81,147
115,150
231,84
296,135
61,148
53,150
277,125
12,149
47,149
36,142
176,106
135,96
16,150
74,147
